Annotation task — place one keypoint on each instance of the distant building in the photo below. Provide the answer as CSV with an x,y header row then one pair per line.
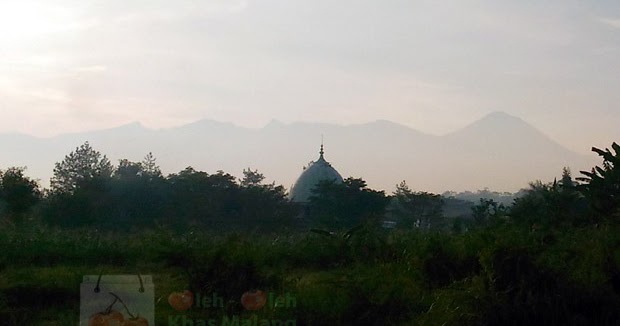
x,y
315,172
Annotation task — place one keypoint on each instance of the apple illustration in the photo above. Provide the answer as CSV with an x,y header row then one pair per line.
x,y
181,301
253,300
111,318
137,321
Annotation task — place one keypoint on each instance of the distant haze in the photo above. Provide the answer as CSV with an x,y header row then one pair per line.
x,y
499,151
434,66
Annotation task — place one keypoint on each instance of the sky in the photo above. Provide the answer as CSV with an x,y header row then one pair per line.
x,y
435,66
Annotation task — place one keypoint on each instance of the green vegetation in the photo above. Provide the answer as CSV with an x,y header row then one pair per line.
x,y
550,258
491,276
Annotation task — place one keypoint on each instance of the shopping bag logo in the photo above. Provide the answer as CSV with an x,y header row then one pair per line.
x,y
117,300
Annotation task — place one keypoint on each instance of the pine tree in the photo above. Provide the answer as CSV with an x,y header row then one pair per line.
x,y
80,168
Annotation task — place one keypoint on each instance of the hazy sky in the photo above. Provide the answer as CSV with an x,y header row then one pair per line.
x,y
432,65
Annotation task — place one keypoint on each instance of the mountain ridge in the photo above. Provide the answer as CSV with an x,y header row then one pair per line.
x,y
482,154
275,122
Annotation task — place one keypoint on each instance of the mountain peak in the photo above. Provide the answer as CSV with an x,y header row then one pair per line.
x,y
499,130
274,123
500,116
207,123
385,122
500,122
131,125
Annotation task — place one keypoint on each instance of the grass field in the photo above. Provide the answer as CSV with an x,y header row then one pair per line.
x,y
503,275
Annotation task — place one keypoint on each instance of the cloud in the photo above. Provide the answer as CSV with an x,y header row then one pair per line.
x,y
91,69
163,11
45,95
23,22
49,94
431,64
612,22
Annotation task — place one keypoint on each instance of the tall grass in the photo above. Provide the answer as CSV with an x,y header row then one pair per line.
x,y
501,275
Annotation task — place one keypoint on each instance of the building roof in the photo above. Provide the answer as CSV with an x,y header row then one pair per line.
x,y
314,173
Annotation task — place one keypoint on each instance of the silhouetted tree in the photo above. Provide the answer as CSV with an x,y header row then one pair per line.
x,y
552,204
488,212
505,198
150,167
80,189
416,209
346,204
128,170
137,194
264,207
197,197
602,184
18,193
80,168
251,178
567,182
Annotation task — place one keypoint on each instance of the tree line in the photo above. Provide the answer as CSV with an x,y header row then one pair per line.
x,y
87,190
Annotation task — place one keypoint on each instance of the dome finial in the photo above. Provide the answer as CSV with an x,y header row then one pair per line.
x,y
321,151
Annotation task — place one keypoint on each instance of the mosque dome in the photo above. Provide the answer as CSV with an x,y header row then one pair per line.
x,y
315,172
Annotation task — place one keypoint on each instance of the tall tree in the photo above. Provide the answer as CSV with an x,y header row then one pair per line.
x,y
150,167
251,178
567,182
137,196
263,206
416,208
18,192
200,198
128,170
80,168
80,189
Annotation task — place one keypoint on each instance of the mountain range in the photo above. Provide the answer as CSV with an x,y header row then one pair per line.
x,y
500,152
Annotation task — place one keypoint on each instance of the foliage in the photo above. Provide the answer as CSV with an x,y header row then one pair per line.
x,y
547,259
602,184
346,204
217,201
416,209
500,275
550,204
79,189
82,168
137,194
488,212
251,178
87,191
150,167
18,193
504,198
